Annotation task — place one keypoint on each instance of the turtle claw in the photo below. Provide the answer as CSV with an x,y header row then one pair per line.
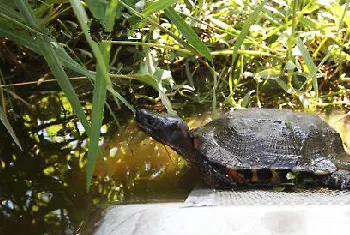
x,y
339,180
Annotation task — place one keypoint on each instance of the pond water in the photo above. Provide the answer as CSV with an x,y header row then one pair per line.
x,y
42,188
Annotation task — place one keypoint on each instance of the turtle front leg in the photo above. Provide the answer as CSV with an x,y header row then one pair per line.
x,y
215,176
338,180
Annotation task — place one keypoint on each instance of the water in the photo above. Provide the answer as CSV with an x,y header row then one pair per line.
x,y
42,188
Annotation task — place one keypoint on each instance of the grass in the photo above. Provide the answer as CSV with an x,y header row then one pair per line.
x,y
292,54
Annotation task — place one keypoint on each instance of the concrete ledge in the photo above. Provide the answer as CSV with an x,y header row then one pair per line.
x,y
220,212
171,218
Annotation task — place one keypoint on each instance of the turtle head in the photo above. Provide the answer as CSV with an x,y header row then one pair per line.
x,y
168,130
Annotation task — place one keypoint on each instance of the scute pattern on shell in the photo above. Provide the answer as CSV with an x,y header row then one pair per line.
x,y
274,139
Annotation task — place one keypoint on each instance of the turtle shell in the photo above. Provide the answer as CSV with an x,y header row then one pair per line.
x,y
269,139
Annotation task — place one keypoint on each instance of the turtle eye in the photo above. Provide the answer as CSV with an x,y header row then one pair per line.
x,y
151,121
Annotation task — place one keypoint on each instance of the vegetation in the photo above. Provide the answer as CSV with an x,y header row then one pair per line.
x,y
292,54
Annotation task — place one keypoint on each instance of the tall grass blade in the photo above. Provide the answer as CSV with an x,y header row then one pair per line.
x,y
99,98
68,62
188,33
28,15
45,45
7,9
8,126
120,98
111,13
83,22
23,39
240,39
309,64
156,24
97,8
145,78
62,79
307,58
157,6
245,31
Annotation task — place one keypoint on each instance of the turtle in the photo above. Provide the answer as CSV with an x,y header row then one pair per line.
x,y
255,146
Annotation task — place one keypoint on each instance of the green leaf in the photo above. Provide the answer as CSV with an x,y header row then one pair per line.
x,y
98,100
47,50
8,10
239,41
283,85
166,102
8,126
307,58
28,15
83,21
39,41
245,30
157,6
120,97
188,33
157,25
101,52
245,100
45,45
8,3
159,76
145,78
99,95
309,64
23,39
97,8
68,62
110,15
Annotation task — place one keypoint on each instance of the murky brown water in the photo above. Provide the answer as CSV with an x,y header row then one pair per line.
x,y
42,189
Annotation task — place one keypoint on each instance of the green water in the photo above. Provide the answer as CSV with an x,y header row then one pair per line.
x,y
42,188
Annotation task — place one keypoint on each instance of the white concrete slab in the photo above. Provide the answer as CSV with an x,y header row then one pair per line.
x,y
232,218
